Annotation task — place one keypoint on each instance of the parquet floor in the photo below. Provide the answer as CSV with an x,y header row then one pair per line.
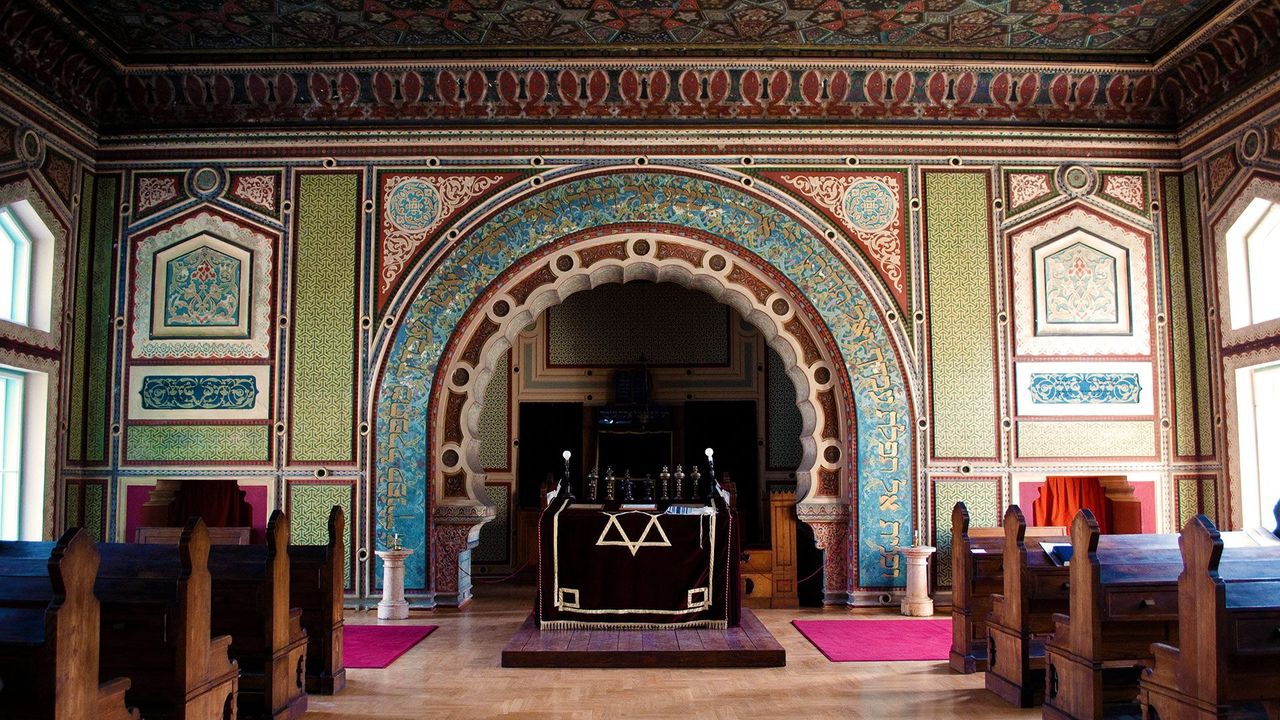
x,y
455,673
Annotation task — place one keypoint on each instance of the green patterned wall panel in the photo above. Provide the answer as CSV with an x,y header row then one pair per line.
x,y
91,331
71,506
100,327
309,507
495,417
495,535
199,443
1179,317
80,328
957,234
981,497
324,317
93,511
784,421
1105,438
1188,500
1199,318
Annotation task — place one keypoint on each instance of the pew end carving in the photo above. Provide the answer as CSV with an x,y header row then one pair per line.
x,y
49,620
317,580
1034,588
1227,661
251,603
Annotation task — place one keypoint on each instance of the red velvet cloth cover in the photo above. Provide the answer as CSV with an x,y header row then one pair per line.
x,y
1063,496
603,566
221,503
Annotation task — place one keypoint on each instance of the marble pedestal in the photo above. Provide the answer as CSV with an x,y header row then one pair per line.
x,y
917,602
393,605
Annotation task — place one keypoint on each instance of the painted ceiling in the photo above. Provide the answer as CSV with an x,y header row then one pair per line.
x,y
199,31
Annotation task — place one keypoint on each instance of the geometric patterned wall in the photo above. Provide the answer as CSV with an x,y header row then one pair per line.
x,y
961,316
324,318
1191,380
783,417
981,497
309,506
91,339
495,418
616,324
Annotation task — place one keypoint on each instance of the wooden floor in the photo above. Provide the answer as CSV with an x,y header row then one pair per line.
x,y
748,646
456,673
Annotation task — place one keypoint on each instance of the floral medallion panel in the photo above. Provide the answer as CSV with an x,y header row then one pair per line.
x,y
8,141
1080,287
154,192
1024,190
868,207
1085,388
60,171
1220,169
1126,190
413,207
199,392
257,190
202,289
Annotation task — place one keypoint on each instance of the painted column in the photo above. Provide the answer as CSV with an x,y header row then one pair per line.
x,y
917,602
393,605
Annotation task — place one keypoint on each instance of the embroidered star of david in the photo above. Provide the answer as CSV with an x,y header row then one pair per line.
x,y
632,545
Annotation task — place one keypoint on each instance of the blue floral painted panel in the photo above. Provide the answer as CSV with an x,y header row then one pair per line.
x,y
883,416
1086,388
202,290
1081,286
199,392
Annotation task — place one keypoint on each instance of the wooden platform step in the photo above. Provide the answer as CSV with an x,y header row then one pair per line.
x,y
750,645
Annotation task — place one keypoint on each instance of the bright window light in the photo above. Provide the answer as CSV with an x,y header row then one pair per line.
x,y
1253,254
15,269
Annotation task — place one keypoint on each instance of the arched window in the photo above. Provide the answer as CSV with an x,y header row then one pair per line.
x,y
15,269
26,299
1253,254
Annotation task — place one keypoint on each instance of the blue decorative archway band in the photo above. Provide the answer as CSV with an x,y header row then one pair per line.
x,y
656,196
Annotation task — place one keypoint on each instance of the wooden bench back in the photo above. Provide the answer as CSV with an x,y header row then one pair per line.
x,y
53,659
318,576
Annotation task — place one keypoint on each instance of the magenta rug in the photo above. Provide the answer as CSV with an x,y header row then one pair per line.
x,y
377,646
878,640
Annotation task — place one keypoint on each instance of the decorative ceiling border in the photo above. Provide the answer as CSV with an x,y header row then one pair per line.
x,y
1242,45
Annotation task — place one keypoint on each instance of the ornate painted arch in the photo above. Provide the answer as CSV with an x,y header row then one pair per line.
x,y
782,254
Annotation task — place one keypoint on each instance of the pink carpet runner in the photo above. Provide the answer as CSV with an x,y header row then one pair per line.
x,y
377,646
878,640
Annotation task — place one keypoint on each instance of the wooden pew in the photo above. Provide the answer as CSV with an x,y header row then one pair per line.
x,y
49,634
156,629
1124,597
1022,616
977,572
1228,651
318,576
250,602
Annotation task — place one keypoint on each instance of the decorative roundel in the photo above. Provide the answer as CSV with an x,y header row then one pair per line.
x,y
870,205
1251,144
780,307
29,146
564,263
413,205
822,375
717,262
1076,179
205,180
831,454
641,247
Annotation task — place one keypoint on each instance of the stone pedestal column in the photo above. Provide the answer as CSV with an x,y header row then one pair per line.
x,y
393,605
917,602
